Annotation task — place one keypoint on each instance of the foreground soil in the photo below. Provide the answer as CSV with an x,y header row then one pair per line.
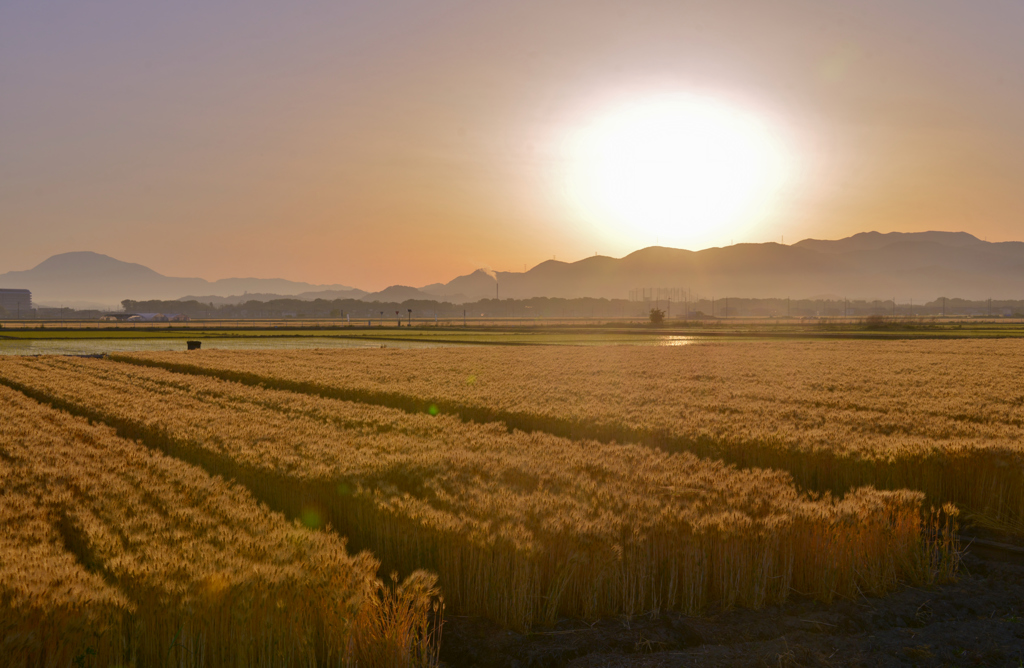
x,y
977,621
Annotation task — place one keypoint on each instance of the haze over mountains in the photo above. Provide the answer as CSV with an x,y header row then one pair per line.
x,y
90,280
869,265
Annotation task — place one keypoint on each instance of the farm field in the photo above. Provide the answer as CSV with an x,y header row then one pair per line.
x,y
538,490
500,332
521,528
70,341
942,417
104,345
113,554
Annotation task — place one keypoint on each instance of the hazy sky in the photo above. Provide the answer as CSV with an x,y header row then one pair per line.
x,y
379,142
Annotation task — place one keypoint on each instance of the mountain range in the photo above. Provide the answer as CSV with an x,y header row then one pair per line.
x,y
871,265
90,280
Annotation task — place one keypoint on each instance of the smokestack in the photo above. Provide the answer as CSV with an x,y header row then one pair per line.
x,y
497,294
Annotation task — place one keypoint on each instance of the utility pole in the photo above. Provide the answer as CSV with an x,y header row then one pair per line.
x,y
463,317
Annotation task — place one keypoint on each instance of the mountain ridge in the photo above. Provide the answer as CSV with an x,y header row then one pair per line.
x,y
86,279
867,265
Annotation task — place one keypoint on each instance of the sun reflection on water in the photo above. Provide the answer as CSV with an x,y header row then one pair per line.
x,y
677,340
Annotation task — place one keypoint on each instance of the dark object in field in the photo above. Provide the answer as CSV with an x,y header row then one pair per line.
x,y
194,345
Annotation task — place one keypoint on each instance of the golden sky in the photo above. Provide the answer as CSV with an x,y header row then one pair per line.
x,y
378,142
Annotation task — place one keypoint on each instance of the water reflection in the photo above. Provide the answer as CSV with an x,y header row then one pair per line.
x,y
676,340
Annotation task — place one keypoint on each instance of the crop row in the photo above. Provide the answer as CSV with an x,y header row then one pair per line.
x,y
946,418
520,527
51,609
114,554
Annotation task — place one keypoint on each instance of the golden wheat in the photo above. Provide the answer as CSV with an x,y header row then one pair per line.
x,y
52,611
943,417
204,575
521,527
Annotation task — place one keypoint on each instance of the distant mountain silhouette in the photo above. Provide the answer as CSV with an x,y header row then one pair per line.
x,y
921,265
398,294
217,300
85,279
869,265
876,240
478,285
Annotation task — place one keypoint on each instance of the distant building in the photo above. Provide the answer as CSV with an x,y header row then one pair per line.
x,y
147,317
16,303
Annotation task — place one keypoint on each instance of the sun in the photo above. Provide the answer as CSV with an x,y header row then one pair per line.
x,y
676,170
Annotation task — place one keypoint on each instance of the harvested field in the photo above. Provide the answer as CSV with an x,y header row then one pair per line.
x,y
945,418
523,528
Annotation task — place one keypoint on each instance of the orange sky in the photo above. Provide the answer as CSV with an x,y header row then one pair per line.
x,y
376,143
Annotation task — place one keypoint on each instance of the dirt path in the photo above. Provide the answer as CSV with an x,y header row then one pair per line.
x,y
978,621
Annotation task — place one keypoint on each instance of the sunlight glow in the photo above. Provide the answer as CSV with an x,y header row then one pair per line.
x,y
683,170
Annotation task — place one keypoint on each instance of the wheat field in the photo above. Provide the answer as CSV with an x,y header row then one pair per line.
x,y
521,527
942,417
113,554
